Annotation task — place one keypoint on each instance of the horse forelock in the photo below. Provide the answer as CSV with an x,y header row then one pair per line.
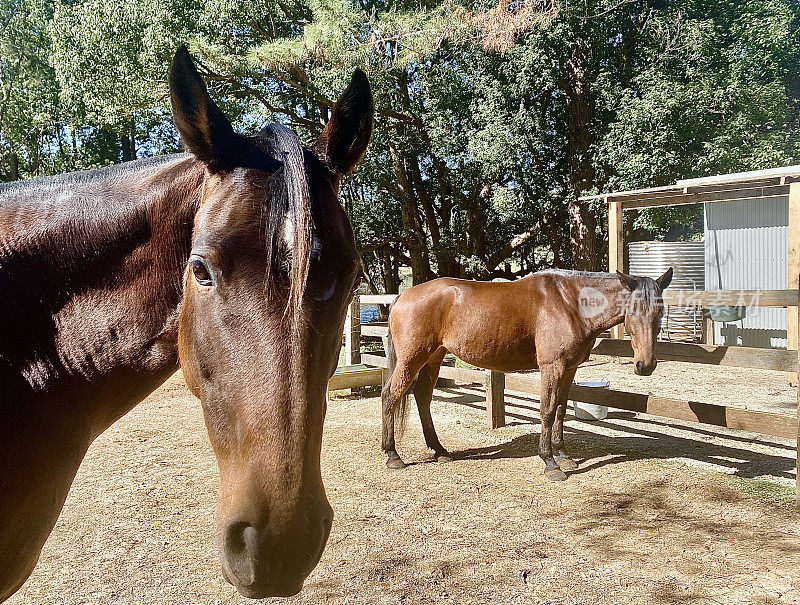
x,y
290,201
649,296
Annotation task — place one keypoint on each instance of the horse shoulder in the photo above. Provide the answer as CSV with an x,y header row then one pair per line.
x,y
560,334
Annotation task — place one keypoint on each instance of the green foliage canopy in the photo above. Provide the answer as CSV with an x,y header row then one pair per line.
x,y
479,154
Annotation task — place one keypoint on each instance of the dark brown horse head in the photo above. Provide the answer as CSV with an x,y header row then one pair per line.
x,y
643,312
272,269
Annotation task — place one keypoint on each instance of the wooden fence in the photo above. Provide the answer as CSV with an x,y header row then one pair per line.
x,y
369,368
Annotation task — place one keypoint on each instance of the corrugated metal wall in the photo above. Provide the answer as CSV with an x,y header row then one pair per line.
x,y
746,248
687,260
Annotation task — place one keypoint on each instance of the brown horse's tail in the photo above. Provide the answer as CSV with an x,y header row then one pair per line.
x,y
401,410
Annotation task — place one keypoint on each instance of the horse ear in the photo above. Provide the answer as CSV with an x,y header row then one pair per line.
x,y
345,137
665,280
628,281
204,129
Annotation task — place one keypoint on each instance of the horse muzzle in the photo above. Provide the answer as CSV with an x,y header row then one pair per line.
x,y
260,565
643,369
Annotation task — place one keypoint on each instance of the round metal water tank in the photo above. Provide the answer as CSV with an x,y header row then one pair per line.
x,y
687,260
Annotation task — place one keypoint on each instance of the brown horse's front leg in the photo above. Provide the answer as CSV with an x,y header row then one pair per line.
x,y
547,411
562,459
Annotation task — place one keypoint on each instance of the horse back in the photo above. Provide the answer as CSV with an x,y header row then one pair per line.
x,y
488,324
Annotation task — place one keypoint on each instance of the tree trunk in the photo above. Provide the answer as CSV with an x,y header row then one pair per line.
x,y
129,143
415,233
415,240
583,237
393,276
580,138
13,171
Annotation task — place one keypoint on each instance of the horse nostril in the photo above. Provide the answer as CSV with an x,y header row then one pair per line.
x,y
639,367
241,547
327,524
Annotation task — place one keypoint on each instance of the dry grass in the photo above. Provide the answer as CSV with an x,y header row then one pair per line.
x,y
651,517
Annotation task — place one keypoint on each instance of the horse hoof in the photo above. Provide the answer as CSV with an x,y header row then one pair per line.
x,y
445,457
395,464
555,474
567,464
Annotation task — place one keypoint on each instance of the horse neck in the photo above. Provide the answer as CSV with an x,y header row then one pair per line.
x,y
91,286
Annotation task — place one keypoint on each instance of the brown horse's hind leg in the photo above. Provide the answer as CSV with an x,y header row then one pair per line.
x,y
393,392
423,393
551,376
562,459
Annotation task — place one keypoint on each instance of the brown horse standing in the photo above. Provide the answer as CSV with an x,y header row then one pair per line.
x,y
548,320
236,259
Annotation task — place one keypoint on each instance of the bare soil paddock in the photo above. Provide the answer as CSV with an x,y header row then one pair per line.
x,y
660,512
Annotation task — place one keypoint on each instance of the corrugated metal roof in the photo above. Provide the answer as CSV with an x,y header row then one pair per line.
x,y
740,177
708,187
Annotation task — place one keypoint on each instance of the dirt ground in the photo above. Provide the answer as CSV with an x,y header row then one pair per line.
x,y
659,512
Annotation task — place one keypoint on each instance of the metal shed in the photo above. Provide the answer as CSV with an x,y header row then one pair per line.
x,y
763,195
752,243
687,260
746,247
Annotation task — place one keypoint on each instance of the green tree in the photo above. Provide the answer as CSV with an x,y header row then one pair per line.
x,y
29,109
492,119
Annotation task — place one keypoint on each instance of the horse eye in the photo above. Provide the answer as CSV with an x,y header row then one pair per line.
x,y
201,273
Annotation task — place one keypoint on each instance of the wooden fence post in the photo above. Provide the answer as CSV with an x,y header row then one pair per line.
x,y
793,267
797,451
495,400
616,248
352,333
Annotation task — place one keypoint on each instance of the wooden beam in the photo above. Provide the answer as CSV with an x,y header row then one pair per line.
x,y
616,248
612,197
738,357
765,423
380,330
722,191
708,330
495,399
463,375
747,298
352,377
679,199
352,333
793,266
370,359
772,176
675,297
378,299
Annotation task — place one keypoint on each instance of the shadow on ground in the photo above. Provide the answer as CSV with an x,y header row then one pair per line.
x,y
635,438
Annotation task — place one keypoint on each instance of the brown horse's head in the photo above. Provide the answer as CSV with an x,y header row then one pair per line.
x,y
644,309
273,266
